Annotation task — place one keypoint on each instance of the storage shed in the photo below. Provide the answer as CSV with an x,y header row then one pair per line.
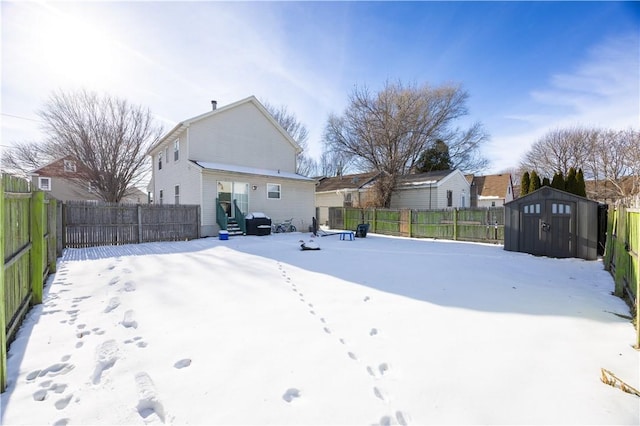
x,y
554,223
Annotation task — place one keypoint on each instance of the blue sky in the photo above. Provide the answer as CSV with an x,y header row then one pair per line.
x,y
529,67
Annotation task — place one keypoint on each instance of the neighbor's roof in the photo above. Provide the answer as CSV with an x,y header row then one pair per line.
x,y
428,178
250,170
336,183
492,186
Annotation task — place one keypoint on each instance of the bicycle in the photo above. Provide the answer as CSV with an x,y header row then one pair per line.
x,y
284,226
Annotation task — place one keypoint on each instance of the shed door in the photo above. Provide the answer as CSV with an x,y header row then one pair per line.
x,y
560,238
530,239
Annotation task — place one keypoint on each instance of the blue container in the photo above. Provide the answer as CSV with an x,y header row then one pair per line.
x,y
223,235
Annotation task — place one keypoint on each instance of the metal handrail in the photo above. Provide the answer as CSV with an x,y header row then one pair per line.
x,y
239,216
221,216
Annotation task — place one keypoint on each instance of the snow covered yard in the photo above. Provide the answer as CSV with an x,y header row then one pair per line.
x,y
378,330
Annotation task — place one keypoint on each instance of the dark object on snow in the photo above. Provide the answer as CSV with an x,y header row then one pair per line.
x,y
311,245
258,224
314,227
554,223
361,230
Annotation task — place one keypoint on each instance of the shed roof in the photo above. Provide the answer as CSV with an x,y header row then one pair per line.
x,y
549,192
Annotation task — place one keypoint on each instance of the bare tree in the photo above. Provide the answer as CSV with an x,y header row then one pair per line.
x,y
298,132
608,158
388,131
558,151
107,135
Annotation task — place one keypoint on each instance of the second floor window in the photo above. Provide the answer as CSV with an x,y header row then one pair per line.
x,y
161,195
176,192
160,161
176,150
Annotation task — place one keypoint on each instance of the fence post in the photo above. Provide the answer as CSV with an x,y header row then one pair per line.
x,y
53,234
373,228
621,255
455,224
37,246
139,223
3,324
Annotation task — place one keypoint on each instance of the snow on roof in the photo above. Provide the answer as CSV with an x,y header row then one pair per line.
x,y
250,170
424,182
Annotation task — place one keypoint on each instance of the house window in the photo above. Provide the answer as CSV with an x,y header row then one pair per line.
x,y
273,191
160,161
161,196
91,187
176,150
166,154
44,184
449,198
69,166
493,204
176,193
347,200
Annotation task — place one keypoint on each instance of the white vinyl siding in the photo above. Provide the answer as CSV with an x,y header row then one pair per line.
x,y
298,202
434,196
255,141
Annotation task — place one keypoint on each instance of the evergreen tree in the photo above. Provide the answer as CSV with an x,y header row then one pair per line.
x,y
434,158
534,183
524,184
571,184
546,181
558,181
581,187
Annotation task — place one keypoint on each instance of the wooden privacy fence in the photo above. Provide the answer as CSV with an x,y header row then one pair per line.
x,y
474,224
89,224
622,256
27,254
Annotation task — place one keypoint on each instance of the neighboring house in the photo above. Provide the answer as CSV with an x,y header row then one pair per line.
x,y
232,161
424,191
435,190
343,191
61,179
491,190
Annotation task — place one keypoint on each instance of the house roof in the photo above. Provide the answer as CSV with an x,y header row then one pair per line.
x,y
492,186
249,170
55,168
428,178
184,125
353,182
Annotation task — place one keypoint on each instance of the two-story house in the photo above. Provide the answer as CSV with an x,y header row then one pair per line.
x,y
232,161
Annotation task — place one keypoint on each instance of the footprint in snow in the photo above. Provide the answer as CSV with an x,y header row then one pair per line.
x,y
182,363
129,321
149,406
291,394
106,357
114,302
61,404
